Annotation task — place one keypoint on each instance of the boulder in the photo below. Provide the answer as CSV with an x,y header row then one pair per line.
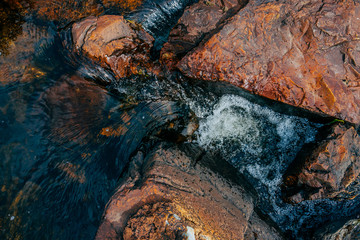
x,y
168,195
329,169
118,44
303,53
197,21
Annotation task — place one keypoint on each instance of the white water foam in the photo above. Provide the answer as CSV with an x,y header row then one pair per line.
x,y
254,138
236,121
259,142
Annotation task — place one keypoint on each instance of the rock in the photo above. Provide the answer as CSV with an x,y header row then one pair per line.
x,y
350,230
167,195
120,45
329,170
66,11
17,65
11,18
256,228
197,20
302,53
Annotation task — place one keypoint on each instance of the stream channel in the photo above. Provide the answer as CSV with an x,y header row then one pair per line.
x,y
61,153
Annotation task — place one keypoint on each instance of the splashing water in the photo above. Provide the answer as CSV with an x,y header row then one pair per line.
x,y
247,132
261,143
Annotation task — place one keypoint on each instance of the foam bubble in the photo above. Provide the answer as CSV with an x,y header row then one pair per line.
x,y
245,130
260,143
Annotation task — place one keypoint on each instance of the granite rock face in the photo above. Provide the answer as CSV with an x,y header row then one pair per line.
x,y
167,195
303,53
329,170
120,45
198,20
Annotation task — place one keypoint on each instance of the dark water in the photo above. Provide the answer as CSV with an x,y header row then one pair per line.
x,y
68,129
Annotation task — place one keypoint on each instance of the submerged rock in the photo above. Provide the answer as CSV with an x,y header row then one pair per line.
x,y
116,43
18,64
328,170
299,52
66,11
167,195
197,21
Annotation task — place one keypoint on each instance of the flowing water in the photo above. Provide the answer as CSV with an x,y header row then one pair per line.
x,y
68,129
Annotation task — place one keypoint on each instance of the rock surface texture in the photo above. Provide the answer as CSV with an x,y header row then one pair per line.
x,y
198,20
303,53
168,196
116,43
330,170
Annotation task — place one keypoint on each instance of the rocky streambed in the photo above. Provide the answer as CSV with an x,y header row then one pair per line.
x,y
179,119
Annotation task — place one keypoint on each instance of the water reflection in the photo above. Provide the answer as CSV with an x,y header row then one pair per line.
x,y
49,157
66,154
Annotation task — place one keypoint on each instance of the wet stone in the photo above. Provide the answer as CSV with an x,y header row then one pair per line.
x,y
155,221
330,169
197,21
298,52
117,44
167,194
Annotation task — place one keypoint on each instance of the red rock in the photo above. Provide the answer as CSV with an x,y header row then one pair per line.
x,y
166,195
302,53
331,170
116,43
197,20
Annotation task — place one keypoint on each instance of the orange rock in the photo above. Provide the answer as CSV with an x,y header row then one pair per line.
x,y
168,195
197,21
116,43
304,54
330,170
